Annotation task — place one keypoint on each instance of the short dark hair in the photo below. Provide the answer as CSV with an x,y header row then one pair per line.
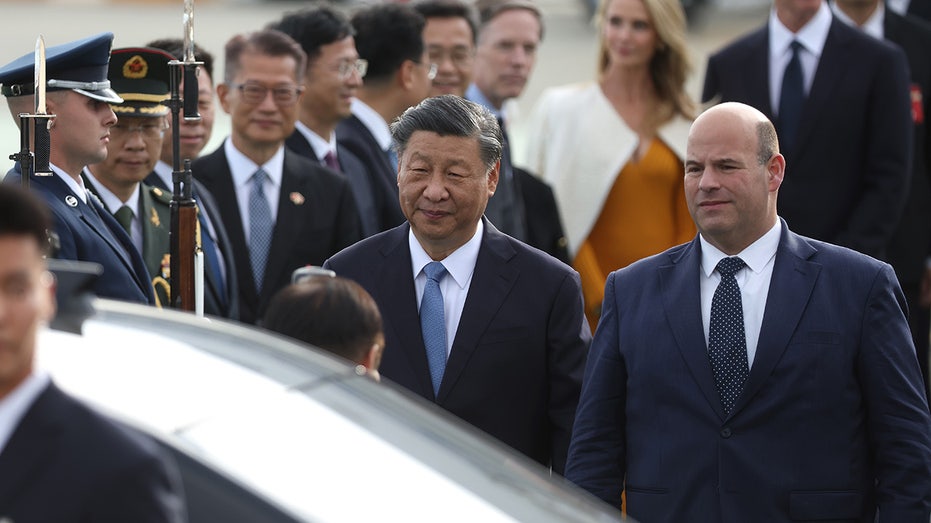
x,y
767,140
267,42
335,314
488,9
449,9
315,27
23,214
175,47
451,115
386,36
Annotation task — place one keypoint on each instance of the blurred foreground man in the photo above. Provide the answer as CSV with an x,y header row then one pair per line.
x,y
59,460
753,374
487,327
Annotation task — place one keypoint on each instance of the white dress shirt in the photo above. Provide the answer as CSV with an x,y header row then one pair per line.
x,y
76,186
373,122
242,169
812,37
753,281
15,405
318,144
460,266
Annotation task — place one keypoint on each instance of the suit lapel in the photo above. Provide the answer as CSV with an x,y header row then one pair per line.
x,y
756,64
681,297
289,222
396,286
790,289
31,447
95,216
833,61
214,172
491,284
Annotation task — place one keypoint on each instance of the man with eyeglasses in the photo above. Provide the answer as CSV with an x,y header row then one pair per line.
x,y
140,76
281,210
449,35
79,95
390,38
508,36
334,76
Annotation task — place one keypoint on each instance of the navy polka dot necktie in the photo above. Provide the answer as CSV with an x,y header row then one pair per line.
x,y
727,341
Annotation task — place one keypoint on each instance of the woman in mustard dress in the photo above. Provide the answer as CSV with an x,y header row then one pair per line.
x,y
613,149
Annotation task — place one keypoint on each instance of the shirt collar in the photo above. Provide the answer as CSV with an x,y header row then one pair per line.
x,y
15,405
320,146
460,264
110,200
756,255
812,35
373,122
873,25
76,186
242,168
476,95
164,172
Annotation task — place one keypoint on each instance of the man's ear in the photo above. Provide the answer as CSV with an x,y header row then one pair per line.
x,y
405,74
223,92
493,175
775,171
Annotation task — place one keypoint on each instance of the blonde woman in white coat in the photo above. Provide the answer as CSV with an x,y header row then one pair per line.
x,y
613,149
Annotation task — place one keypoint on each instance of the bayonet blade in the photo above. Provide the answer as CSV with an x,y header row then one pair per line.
x,y
40,78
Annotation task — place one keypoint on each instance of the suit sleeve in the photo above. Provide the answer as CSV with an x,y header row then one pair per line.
x,y
148,491
568,340
888,157
597,453
348,228
897,411
711,89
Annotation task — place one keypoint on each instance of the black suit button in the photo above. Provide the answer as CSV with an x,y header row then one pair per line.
x,y
726,432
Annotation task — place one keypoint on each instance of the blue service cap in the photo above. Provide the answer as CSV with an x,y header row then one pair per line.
x,y
80,66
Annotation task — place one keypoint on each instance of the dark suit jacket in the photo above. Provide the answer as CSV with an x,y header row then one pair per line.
x,y
316,217
376,199
911,242
66,463
87,232
833,404
544,226
847,173
919,8
352,135
220,298
515,366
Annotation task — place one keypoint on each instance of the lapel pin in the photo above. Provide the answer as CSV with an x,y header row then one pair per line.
x,y
297,198
71,201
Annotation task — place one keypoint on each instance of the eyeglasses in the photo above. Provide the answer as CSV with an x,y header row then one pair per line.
x,y
431,69
147,130
347,67
282,95
461,57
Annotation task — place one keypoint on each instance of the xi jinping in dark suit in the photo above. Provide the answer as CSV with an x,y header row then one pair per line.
x,y
497,335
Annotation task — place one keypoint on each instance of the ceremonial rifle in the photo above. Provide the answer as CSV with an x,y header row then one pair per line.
x,y
186,265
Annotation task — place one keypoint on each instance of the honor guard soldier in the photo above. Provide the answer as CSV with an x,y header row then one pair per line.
x,y
79,95
140,76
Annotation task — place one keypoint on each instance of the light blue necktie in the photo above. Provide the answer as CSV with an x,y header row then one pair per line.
x,y
260,228
433,323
